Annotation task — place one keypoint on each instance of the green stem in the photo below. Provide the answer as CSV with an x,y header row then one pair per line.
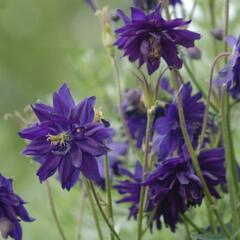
x,y
226,23
81,212
229,159
119,99
54,211
109,195
190,222
187,229
205,120
198,86
150,117
192,10
94,211
193,154
111,228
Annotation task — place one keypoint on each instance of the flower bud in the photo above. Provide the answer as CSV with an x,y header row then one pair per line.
x,y
194,53
217,33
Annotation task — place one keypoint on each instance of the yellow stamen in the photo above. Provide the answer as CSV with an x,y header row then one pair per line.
x,y
61,138
98,115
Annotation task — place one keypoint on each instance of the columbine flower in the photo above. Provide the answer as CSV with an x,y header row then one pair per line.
x,y
174,185
131,188
170,136
67,138
148,38
136,115
115,156
12,211
231,72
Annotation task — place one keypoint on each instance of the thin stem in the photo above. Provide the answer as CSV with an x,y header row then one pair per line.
x,y
190,222
193,154
187,230
94,211
81,212
229,159
119,99
226,23
165,5
150,117
157,87
193,10
91,186
54,212
205,120
109,195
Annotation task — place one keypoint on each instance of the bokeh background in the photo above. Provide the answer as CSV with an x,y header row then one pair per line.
x,y
45,43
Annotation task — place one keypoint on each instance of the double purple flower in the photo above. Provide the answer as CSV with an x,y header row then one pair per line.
x,y
170,138
67,139
147,38
12,211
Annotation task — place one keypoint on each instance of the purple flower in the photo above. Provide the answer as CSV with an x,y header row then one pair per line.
x,y
131,188
148,38
12,211
136,115
174,185
170,136
231,72
115,156
67,138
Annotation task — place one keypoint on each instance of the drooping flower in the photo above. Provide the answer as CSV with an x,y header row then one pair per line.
x,y
230,74
115,156
67,138
131,188
174,185
136,115
170,136
148,38
12,211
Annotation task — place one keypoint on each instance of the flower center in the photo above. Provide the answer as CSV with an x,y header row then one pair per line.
x,y
61,138
155,49
98,115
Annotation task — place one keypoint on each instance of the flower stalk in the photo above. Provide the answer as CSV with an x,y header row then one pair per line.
x,y
110,226
109,195
94,211
150,117
193,154
54,211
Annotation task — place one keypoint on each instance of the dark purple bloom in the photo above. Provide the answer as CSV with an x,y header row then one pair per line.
x,y
174,185
148,38
131,188
12,211
67,138
170,136
230,74
136,115
115,156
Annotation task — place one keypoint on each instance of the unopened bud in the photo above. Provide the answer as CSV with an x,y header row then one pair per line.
x,y
217,33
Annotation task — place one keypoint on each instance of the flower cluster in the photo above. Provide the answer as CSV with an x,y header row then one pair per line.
x,y
67,138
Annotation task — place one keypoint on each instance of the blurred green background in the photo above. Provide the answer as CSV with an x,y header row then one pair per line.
x,y
43,44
